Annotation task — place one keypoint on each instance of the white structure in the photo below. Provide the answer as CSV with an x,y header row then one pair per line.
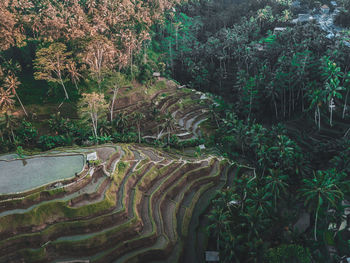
x,y
278,30
202,146
203,97
303,18
325,9
91,156
212,256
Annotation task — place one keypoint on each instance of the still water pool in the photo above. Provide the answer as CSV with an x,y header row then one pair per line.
x,y
23,175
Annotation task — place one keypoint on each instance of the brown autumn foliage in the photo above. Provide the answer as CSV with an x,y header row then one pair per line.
x,y
125,23
103,35
10,27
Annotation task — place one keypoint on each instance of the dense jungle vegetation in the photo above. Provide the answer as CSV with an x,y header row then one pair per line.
x,y
281,103
277,89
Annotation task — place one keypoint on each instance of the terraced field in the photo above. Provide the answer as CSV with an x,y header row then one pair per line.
x,y
187,108
140,205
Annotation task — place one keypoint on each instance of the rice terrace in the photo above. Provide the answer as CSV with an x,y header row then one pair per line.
x,y
170,131
140,204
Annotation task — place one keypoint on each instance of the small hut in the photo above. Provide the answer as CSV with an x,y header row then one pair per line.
x,y
278,30
325,9
156,75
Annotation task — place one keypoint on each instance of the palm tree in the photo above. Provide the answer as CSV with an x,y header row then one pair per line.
x,y
104,128
317,97
259,200
121,121
219,218
213,114
275,184
347,87
6,104
8,124
332,83
6,101
320,191
255,223
138,117
333,89
12,83
169,124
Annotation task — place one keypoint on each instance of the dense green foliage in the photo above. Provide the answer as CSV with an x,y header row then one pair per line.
x,y
231,49
277,87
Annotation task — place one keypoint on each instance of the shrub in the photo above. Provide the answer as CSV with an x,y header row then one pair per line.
x,y
288,254
125,137
48,142
27,133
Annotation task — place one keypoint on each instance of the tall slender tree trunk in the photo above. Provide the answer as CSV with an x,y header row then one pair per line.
x,y
316,217
171,57
176,37
289,103
331,117
20,102
302,100
64,87
139,131
250,103
94,125
13,135
115,93
319,118
345,103
276,111
76,85
131,70
284,103
168,135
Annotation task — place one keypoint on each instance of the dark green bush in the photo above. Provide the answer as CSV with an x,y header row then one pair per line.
x,y
288,254
48,142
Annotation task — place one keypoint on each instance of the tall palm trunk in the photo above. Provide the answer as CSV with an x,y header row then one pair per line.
x,y
115,92
139,131
20,102
345,103
316,218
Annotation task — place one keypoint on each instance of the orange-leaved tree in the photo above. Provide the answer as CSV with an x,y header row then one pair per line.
x,y
51,64
99,55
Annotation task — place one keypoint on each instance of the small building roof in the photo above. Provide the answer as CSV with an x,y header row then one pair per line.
x,y
156,74
325,7
280,28
91,156
212,256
